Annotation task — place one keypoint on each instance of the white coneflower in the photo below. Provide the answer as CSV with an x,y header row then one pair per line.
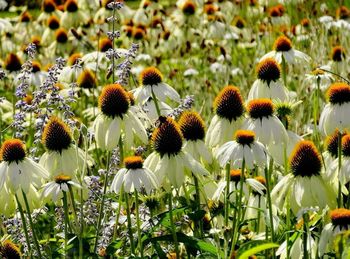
x,y
71,72
117,117
193,130
61,155
234,187
244,147
280,153
256,206
319,78
36,77
340,223
339,60
73,16
335,114
344,170
17,172
229,111
150,109
304,187
268,84
168,159
267,127
135,176
60,184
283,48
61,44
151,79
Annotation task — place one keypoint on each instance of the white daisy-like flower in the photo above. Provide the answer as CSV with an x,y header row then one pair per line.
x,y
343,175
277,151
229,109
244,147
149,108
335,114
268,84
340,223
151,79
73,17
319,78
169,161
61,155
267,127
17,172
135,176
60,184
36,77
256,206
193,129
117,117
283,48
304,187
297,248
191,72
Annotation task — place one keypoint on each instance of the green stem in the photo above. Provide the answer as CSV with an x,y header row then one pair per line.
x,y
240,205
100,215
155,100
305,233
173,229
24,225
340,202
71,195
284,70
66,219
36,243
288,227
118,213
138,224
227,194
268,174
198,202
129,223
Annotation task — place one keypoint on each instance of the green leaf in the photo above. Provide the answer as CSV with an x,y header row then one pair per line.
x,y
114,246
248,249
190,242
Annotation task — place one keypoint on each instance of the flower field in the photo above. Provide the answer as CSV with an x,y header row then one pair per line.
x,y
175,129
